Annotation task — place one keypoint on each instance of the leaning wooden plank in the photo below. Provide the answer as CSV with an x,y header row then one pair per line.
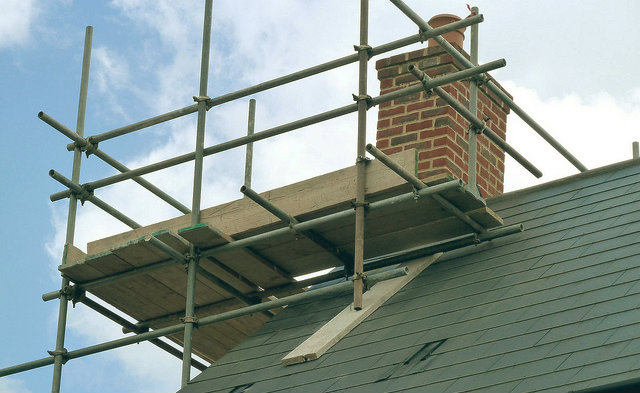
x,y
332,332
320,193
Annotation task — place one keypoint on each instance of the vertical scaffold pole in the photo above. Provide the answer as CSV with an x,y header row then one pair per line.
x,y
189,318
473,108
248,163
60,351
361,162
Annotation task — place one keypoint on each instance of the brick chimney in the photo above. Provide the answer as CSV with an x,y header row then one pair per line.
x,y
431,126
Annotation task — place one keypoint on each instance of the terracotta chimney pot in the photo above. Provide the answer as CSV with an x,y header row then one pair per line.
x,y
455,37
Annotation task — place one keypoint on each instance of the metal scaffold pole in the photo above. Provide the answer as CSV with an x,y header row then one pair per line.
x,y
473,108
361,162
248,163
60,352
190,320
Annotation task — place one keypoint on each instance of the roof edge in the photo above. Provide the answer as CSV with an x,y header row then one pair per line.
x,y
571,178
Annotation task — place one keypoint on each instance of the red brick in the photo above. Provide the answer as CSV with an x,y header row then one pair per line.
x,y
431,113
405,118
390,112
397,59
431,134
420,105
440,152
389,132
410,98
392,150
418,145
419,126
388,72
445,141
382,143
424,165
384,123
382,63
402,139
386,83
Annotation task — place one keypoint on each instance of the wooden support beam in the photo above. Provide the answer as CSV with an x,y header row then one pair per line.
x,y
332,332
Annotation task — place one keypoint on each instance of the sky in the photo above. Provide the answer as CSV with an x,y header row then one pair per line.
x,y
572,65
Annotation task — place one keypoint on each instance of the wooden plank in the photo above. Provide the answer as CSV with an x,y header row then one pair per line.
x,y
72,254
73,261
340,325
173,240
331,190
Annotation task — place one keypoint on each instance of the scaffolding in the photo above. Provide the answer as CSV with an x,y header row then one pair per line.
x,y
196,242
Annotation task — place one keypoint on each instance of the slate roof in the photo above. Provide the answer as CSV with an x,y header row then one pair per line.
x,y
554,308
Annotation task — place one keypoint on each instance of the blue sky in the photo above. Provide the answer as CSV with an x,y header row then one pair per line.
x,y
572,65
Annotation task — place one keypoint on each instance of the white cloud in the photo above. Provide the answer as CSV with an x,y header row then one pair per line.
x,y
16,18
598,130
13,385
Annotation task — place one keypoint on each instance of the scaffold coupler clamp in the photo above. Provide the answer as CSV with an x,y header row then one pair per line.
x,y
367,48
364,159
480,79
477,130
293,230
421,33
416,196
191,257
424,80
361,276
193,320
84,195
363,97
74,293
206,99
90,147
63,352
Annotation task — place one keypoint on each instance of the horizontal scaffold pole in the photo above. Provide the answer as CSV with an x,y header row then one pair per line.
x,y
401,256
377,262
93,149
345,110
343,215
420,37
308,296
492,86
475,122
97,307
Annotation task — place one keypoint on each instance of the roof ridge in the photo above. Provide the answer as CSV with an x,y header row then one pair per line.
x,y
571,178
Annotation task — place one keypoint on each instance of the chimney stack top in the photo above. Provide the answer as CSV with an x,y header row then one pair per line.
x,y
455,37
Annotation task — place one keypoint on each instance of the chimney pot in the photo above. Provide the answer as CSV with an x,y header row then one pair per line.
x,y
455,37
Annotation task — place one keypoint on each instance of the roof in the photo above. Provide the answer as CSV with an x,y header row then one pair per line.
x,y
551,308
